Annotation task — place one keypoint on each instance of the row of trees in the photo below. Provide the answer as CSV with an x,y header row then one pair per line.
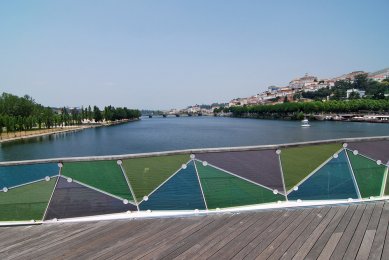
x,y
23,113
289,109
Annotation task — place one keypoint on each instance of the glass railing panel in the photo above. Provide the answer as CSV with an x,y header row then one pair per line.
x,y
223,190
376,150
71,199
146,174
369,174
15,175
106,176
27,202
261,167
180,192
332,181
299,162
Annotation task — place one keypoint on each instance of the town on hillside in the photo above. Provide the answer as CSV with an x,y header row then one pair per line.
x,y
304,89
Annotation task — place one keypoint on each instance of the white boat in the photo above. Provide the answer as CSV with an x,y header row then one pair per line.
x,y
305,123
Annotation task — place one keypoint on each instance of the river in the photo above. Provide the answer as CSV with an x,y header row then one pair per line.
x,y
171,133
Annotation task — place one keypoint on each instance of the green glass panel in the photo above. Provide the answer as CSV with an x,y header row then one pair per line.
x,y
299,162
368,174
104,175
146,174
26,202
222,190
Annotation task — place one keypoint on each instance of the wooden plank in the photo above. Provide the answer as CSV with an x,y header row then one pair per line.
x,y
224,240
285,239
137,239
364,250
357,237
326,234
117,232
309,243
287,249
375,217
288,226
180,247
171,238
348,233
69,245
240,241
30,246
208,242
330,246
346,219
144,240
58,237
385,251
379,238
252,241
277,253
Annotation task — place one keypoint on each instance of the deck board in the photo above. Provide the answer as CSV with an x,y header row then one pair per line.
x,y
253,241
358,230
344,241
357,237
380,235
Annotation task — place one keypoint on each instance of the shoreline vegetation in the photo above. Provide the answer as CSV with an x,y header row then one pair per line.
x,y
22,117
361,110
15,136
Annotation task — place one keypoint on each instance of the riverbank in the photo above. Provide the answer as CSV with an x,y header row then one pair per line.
x,y
14,136
362,118
42,132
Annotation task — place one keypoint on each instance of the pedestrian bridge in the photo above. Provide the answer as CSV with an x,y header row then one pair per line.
x,y
194,182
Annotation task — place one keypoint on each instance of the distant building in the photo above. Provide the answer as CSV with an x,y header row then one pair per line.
x,y
273,88
303,81
360,92
379,75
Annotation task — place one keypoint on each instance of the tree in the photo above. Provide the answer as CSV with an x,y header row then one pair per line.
x,y
354,95
97,114
360,81
297,96
339,94
89,113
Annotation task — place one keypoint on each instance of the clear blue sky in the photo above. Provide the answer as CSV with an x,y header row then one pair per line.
x,y
164,54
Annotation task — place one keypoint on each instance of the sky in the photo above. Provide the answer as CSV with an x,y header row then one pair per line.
x,y
172,54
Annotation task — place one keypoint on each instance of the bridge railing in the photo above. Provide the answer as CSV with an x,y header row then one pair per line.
x,y
194,180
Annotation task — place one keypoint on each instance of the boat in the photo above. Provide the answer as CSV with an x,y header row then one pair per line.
x,y
305,123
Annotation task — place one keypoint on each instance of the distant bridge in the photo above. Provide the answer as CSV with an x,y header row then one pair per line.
x,y
175,115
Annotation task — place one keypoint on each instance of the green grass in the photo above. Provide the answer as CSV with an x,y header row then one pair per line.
x,y
26,202
146,174
298,162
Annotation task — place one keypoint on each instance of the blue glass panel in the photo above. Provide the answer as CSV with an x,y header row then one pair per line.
x,y
332,181
181,192
11,176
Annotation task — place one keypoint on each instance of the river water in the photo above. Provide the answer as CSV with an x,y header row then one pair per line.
x,y
171,133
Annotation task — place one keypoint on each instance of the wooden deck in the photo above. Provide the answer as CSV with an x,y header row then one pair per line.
x,y
357,231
